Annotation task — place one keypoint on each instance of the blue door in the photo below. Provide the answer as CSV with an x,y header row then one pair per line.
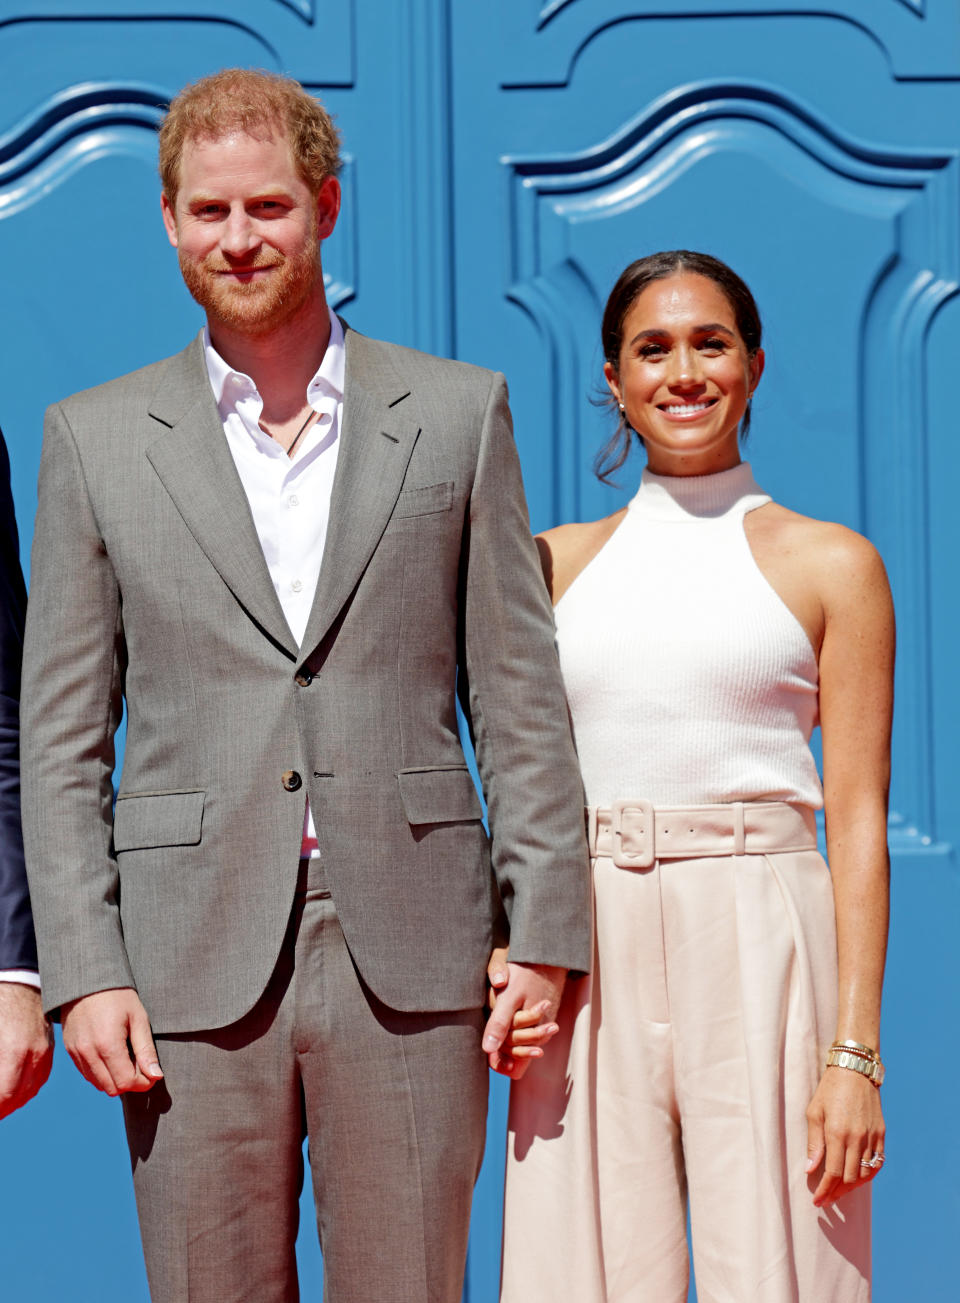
x,y
815,148
504,161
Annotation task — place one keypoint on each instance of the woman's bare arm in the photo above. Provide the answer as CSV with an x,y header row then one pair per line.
x,y
856,704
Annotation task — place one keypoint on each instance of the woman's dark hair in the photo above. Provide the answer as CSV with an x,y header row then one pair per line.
x,y
631,284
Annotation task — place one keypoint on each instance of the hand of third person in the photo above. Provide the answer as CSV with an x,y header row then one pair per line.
x,y
26,1045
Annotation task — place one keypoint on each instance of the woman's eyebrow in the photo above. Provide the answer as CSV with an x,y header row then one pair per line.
x,y
661,332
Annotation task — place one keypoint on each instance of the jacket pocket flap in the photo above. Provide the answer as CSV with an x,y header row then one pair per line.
x,y
439,795
420,502
160,819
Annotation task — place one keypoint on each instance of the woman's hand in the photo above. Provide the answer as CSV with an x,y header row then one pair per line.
x,y
845,1129
528,1033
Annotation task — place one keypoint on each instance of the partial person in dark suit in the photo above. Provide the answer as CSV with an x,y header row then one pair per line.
x,y
26,1046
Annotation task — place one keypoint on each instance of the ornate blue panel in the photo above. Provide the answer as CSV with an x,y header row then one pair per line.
x,y
541,39
895,216
815,147
313,40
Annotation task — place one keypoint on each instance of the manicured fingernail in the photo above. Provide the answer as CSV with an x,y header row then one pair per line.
x,y
810,1164
154,1070
498,979
490,1043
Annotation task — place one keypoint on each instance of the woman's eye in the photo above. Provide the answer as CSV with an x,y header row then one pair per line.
x,y
652,350
714,345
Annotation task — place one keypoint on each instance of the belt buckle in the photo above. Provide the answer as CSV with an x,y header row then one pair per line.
x,y
623,858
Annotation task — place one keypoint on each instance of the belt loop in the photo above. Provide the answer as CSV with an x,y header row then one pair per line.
x,y
739,836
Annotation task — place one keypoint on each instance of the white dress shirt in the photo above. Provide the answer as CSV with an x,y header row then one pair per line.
x,y
289,496
26,976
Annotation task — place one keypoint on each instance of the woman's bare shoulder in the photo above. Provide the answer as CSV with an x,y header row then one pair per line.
x,y
838,556
566,549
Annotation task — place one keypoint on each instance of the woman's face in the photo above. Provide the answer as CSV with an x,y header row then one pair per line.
x,y
684,376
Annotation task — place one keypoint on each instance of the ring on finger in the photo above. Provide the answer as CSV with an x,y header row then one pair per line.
x,y
875,1161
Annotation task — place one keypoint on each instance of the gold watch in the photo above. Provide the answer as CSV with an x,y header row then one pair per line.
x,y
872,1069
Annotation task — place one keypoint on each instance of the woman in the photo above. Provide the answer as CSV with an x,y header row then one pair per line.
x,y
703,632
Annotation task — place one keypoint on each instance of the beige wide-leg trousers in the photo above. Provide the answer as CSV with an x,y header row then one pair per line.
x,y
394,1105
682,1071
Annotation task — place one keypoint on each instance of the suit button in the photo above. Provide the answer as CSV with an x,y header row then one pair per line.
x,y
303,678
291,780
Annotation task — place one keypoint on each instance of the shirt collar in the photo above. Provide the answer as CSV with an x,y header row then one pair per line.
x,y
329,378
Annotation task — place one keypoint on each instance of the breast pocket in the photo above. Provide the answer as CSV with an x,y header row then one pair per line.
x,y
424,501
142,821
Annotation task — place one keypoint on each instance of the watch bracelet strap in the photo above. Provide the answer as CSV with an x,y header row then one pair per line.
x,y
873,1069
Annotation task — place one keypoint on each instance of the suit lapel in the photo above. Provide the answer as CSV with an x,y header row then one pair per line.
x,y
193,461
377,439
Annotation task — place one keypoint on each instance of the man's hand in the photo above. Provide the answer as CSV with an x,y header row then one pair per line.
x,y
26,1045
524,999
107,1035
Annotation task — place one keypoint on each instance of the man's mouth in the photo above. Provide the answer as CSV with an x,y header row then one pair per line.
x,y
246,271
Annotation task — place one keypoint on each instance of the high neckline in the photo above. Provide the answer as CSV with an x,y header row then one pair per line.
x,y
698,497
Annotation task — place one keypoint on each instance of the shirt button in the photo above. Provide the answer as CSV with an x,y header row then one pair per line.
x,y
293,500
296,585
303,678
292,782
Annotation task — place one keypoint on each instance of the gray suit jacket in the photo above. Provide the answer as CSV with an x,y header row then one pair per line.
x,y
149,588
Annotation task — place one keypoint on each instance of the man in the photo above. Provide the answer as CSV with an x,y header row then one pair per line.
x,y
26,1045
282,548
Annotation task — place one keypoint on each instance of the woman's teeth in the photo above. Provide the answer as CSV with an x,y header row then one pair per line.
x,y
685,409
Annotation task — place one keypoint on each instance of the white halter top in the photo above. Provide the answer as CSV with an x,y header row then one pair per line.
x,y
689,680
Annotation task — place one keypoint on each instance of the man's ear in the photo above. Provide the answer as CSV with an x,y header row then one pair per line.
x,y
328,206
169,220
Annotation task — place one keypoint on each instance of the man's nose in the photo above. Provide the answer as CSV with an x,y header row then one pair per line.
x,y
238,236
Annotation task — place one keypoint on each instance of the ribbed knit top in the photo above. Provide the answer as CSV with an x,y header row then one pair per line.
x,y
689,679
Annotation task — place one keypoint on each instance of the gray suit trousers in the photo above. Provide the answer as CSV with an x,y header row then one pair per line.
x,y
394,1105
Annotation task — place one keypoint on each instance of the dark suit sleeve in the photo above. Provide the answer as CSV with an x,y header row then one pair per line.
x,y
512,693
17,945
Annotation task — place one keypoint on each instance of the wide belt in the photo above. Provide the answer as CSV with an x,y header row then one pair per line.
x,y
634,833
